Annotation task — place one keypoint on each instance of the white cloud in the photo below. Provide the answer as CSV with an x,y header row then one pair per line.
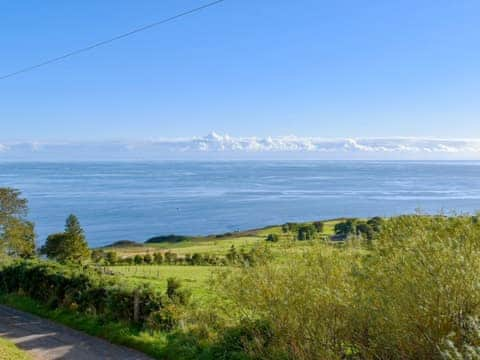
x,y
252,147
225,143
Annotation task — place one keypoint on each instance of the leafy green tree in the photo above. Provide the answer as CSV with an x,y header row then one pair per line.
x,y
20,238
196,259
53,247
376,223
138,259
76,247
147,258
69,246
347,227
158,258
170,257
272,238
12,205
306,232
97,255
289,227
17,235
319,225
365,230
111,257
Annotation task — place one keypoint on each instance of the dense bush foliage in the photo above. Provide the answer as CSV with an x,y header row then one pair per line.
x,y
360,228
86,291
411,293
273,237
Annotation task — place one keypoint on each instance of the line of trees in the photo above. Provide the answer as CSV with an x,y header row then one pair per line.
x,y
17,233
355,227
232,257
306,231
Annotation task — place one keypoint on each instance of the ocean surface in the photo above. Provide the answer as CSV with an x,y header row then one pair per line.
x,y
138,200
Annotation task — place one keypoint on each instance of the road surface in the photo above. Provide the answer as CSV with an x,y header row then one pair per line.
x,y
46,340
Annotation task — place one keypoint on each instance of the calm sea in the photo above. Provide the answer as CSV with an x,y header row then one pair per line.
x,y
137,200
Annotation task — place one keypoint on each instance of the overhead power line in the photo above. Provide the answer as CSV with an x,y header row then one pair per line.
x,y
108,41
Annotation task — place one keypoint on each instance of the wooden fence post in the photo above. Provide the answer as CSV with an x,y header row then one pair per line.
x,y
136,306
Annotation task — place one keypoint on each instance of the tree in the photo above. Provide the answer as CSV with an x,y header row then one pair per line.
x,y
319,225
11,205
170,257
97,255
147,258
272,237
111,257
53,247
69,246
365,230
289,227
76,247
158,258
17,235
138,259
196,259
347,227
306,232
376,223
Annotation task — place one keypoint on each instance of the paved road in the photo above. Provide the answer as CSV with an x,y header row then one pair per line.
x,y
46,340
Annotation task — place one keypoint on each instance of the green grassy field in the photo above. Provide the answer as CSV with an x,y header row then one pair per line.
x,y
197,278
194,278
216,245
8,351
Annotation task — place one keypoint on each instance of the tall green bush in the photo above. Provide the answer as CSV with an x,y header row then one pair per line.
x,y
411,293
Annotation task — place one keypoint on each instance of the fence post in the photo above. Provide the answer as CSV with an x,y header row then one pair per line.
x,y
136,306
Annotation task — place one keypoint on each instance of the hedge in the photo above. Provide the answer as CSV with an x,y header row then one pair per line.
x,y
83,290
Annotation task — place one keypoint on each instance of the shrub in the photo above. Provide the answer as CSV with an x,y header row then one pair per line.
x,y
345,228
80,289
138,259
306,232
411,294
111,257
147,259
319,226
289,227
272,237
158,258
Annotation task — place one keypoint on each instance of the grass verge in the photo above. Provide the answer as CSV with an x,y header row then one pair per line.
x,y
155,345
8,351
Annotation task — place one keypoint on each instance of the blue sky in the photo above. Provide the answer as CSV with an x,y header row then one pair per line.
x,y
324,69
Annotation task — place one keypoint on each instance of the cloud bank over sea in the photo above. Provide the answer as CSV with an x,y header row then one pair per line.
x,y
218,146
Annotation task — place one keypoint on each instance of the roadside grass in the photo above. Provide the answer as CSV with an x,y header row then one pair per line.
x,y
8,351
116,332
